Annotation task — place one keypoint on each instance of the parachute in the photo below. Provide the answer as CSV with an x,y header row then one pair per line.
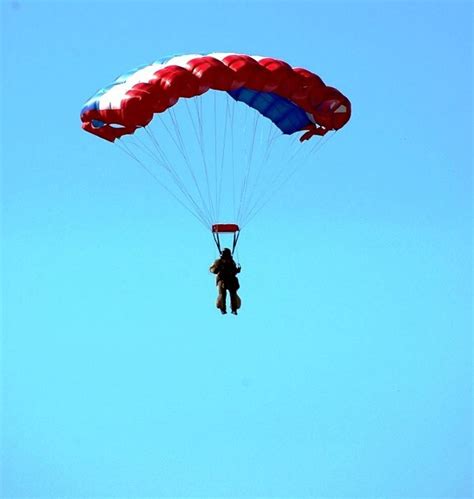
x,y
188,121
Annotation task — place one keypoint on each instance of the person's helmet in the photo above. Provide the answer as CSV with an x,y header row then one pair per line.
x,y
226,253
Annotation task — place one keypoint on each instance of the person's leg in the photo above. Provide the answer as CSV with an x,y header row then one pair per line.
x,y
234,301
221,298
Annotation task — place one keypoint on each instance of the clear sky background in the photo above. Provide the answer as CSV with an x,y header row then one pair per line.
x,y
348,372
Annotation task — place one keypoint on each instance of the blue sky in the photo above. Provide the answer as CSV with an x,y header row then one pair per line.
x,y
348,371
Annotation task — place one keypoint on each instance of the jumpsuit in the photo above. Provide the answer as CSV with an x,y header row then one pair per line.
x,y
226,280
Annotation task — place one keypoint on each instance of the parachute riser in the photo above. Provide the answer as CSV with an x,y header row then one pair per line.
x,y
217,240
215,235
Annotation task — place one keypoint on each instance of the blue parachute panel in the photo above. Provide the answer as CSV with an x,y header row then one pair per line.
x,y
286,115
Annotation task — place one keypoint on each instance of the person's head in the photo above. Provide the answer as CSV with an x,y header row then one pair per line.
x,y
226,253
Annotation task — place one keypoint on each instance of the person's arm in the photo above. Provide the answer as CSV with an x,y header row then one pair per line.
x,y
214,268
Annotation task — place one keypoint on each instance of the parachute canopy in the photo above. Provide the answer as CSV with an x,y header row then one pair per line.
x,y
218,131
294,99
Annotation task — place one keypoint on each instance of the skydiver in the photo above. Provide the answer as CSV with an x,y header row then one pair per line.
x,y
226,271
